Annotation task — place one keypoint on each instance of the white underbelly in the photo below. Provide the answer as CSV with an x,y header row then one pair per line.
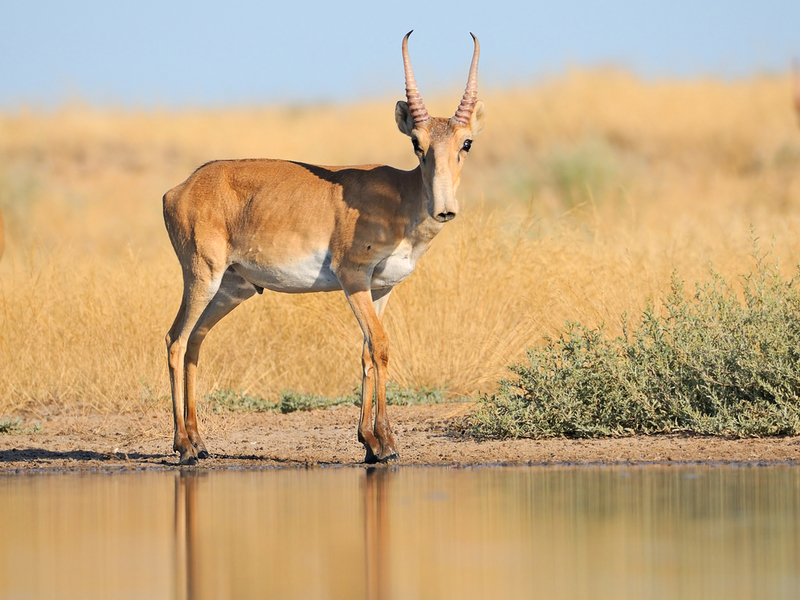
x,y
309,274
313,273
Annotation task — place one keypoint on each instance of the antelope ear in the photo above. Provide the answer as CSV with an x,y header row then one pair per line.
x,y
402,115
477,118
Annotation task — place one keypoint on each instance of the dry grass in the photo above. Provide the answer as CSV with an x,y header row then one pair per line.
x,y
582,196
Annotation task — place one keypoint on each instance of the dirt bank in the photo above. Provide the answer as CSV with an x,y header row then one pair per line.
x,y
423,433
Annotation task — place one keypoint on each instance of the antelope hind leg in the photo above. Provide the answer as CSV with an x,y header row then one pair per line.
x,y
233,290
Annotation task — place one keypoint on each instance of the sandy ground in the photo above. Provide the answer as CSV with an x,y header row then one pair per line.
x,y
265,440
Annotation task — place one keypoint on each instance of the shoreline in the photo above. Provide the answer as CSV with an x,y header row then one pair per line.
x,y
327,439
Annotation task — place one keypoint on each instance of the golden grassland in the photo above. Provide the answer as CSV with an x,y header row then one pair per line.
x,y
581,196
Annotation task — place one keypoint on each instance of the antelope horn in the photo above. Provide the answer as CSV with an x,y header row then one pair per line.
x,y
415,104
471,93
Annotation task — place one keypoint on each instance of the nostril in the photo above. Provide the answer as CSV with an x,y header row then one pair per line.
x,y
443,217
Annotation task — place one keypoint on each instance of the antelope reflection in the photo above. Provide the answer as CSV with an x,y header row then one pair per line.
x,y
376,532
192,555
186,535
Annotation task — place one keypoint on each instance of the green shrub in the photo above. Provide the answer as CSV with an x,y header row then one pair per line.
x,y
294,401
291,401
230,401
14,426
397,396
718,363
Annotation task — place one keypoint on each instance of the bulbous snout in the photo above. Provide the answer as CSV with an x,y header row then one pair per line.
x,y
445,205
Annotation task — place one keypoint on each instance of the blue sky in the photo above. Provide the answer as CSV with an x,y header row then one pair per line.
x,y
154,53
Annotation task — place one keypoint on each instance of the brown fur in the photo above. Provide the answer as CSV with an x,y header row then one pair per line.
x,y
240,226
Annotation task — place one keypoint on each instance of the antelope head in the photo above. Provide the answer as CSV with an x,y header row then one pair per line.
x,y
441,144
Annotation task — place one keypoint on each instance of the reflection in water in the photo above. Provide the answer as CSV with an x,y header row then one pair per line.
x,y
376,533
185,534
274,534
381,533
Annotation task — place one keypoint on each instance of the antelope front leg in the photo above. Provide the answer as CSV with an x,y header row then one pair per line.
x,y
383,430
375,433
380,298
366,423
374,430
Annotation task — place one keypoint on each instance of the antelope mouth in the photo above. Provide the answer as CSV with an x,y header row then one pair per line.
x,y
444,217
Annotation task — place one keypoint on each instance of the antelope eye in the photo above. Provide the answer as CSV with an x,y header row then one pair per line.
x,y
417,149
467,145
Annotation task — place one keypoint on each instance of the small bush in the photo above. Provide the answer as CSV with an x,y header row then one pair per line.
x,y
718,363
13,426
397,396
230,401
291,401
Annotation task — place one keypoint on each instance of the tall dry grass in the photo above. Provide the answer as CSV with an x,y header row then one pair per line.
x,y
581,197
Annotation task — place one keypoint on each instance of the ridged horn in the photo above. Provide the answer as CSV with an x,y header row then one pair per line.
x,y
415,103
471,93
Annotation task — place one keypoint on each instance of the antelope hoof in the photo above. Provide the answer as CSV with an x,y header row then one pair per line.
x,y
189,460
370,458
393,457
198,447
188,456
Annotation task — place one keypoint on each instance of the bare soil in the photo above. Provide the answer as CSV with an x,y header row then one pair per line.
x,y
425,436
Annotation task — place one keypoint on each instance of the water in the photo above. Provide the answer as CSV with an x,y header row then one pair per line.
x,y
406,533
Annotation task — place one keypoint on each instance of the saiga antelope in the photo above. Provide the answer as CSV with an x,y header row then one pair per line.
x,y
241,226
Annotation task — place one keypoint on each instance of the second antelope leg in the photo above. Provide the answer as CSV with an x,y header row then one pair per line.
x,y
374,430
233,290
207,298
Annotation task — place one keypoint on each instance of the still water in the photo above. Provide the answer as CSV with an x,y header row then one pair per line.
x,y
405,533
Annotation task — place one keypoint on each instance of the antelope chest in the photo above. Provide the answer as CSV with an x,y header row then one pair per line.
x,y
396,267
